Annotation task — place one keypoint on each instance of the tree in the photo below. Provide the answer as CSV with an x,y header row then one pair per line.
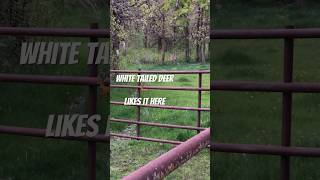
x,y
166,25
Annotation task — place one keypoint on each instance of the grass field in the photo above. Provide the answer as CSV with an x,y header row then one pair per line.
x,y
243,117
127,156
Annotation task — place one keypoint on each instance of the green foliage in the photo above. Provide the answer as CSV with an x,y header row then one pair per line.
x,y
161,25
184,136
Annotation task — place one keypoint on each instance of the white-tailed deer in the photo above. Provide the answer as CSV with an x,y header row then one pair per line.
x,y
173,58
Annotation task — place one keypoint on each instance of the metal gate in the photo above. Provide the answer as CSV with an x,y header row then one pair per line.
x,y
92,81
287,87
173,159
139,87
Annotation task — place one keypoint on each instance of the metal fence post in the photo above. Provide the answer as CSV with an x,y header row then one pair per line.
x,y
138,107
287,104
92,108
199,101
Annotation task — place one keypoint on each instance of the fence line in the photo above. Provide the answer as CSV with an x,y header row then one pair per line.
x,y
265,33
58,32
156,124
92,81
139,87
161,72
146,139
45,79
162,88
287,87
41,133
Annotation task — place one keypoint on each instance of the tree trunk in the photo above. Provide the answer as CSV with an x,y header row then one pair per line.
x,y
163,44
124,47
187,45
174,59
163,51
198,43
203,52
159,43
115,51
203,37
146,37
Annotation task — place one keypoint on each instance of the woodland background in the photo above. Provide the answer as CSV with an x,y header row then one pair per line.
x,y
159,31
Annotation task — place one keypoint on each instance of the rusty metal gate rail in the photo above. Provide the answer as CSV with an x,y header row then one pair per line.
x,y
171,160
139,87
91,81
287,87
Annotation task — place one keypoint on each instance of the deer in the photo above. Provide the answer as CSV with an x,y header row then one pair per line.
x,y
173,58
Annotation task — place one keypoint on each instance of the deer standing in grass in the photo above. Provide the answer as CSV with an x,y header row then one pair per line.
x,y
173,58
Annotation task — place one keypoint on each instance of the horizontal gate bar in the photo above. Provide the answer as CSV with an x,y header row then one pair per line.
x,y
265,86
162,88
36,132
61,32
265,33
156,124
161,72
168,162
163,107
265,149
48,79
146,139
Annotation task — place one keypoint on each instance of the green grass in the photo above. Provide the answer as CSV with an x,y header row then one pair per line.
x,y
249,117
127,156
140,56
